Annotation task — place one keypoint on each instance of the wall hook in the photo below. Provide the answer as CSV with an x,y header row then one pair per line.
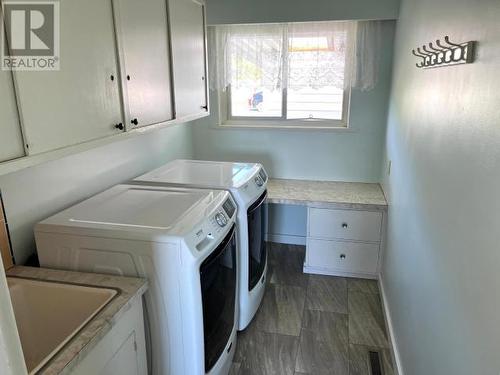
x,y
447,40
444,54
434,49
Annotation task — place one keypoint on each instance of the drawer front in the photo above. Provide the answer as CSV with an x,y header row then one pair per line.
x,y
344,256
344,224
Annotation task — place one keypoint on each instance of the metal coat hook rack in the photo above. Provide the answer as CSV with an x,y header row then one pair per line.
x,y
444,54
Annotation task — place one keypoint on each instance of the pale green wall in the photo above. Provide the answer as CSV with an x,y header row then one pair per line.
x,y
441,270
287,224
315,155
245,11
35,193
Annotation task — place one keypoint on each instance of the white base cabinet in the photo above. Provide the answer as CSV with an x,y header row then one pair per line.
x,y
344,242
122,350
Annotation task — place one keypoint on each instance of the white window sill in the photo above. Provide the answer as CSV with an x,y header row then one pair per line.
x,y
292,125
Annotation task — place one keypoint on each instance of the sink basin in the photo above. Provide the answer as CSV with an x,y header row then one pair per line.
x,y
49,314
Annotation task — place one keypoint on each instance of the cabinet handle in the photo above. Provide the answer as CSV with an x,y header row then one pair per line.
x,y
205,107
134,121
342,256
119,126
112,77
344,225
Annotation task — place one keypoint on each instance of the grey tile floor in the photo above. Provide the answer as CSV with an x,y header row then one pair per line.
x,y
311,324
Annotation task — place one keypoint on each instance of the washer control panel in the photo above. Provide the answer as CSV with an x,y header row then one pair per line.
x,y
258,180
221,219
261,178
263,174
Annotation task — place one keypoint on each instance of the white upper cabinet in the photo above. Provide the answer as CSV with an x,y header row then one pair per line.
x,y
81,101
187,19
143,37
124,64
11,140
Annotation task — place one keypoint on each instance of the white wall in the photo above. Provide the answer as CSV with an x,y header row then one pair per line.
x,y
441,270
35,193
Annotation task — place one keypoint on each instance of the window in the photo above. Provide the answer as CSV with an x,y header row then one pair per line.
x,y
291,75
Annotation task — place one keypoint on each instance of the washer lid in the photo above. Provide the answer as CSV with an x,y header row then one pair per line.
x,y
213,174
141,208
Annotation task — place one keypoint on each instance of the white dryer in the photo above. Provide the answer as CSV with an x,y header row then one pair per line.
x,y
184,242
247,183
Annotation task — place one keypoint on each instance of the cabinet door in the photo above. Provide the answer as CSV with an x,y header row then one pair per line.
x,y
189,57
81,101
144,44
11,140
124,361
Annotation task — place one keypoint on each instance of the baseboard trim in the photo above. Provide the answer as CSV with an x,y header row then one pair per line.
x,y
330,272
286,239
390,328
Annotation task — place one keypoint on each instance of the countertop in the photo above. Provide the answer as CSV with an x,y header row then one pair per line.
x,y
72,353
326,194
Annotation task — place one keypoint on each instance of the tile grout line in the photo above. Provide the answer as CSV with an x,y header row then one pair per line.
x,y
301,327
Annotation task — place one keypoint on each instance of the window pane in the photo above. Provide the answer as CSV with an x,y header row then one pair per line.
x,y
255,65
255,102
315,103
316,66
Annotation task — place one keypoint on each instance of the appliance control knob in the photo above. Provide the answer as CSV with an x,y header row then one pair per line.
x,y
221,219
258,181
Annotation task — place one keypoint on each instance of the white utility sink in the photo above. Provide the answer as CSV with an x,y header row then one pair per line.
x,y
49,314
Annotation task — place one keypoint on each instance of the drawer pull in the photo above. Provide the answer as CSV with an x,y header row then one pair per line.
x,y
344,225
342,256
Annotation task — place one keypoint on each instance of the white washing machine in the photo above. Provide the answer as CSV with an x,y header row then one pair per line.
x,y
184,242
247,183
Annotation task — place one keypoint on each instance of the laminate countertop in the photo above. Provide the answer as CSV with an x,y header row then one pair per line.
x,y
129,288
326,194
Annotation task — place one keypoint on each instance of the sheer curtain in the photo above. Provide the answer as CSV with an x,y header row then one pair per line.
x,y
246,52
277,56
367,45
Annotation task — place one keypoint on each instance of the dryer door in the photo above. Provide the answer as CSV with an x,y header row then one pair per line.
x,y
218,289
257,252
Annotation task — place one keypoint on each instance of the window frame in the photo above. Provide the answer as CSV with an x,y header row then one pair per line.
x,y
229,121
